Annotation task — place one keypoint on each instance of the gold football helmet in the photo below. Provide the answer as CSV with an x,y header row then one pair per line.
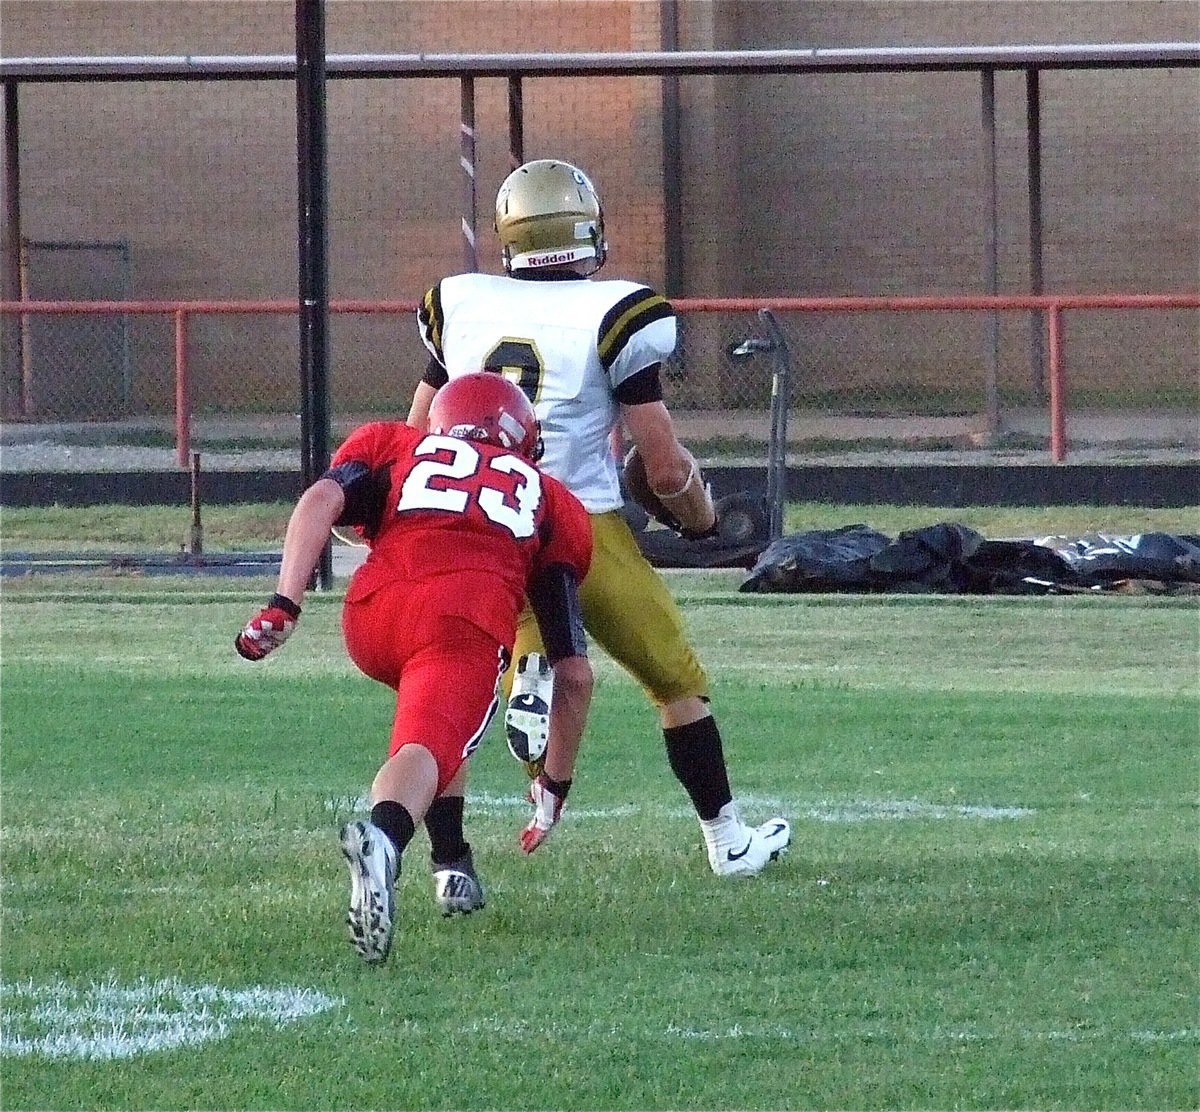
x,y
548,214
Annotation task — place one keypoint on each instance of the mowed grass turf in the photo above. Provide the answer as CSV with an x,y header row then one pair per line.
x,y
990,900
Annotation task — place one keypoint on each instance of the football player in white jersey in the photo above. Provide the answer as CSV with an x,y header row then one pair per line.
x,y
588,354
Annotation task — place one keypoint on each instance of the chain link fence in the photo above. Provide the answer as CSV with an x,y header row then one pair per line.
x,y
878,377
736,185
76,366
892,362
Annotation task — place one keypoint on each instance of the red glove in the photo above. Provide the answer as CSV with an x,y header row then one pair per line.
x,y
268,629
547,797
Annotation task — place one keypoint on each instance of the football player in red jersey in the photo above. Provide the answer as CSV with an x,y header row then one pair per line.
x,y
462,527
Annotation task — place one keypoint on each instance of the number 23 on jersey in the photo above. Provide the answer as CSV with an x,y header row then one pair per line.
x,y
458,474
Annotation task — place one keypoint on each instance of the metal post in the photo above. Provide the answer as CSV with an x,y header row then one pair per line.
x,y
1033,130
516,122
991,390
196,535
126,295
772,454
672,170
12,225
466,157
311,150
781,396
27,392
1058,417
183,394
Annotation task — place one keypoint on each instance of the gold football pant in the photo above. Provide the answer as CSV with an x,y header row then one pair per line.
x,y
630,613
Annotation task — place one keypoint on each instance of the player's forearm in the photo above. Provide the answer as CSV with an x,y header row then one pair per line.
x,y
307,533
418,412
668,463
568,715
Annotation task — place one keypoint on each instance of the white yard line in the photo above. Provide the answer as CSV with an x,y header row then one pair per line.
x,y
109,1021
863,810
819,810
752,1031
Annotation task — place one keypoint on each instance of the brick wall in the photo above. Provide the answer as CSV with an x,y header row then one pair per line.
x,y
791,184
873,184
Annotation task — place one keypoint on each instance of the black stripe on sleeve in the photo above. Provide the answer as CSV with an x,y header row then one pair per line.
x,y
435,374
641,387
627,317
431,319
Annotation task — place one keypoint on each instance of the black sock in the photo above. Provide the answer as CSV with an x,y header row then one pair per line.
x,y
698,762
444,823
395,821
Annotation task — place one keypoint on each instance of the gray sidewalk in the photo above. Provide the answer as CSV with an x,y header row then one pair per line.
x,y
735,436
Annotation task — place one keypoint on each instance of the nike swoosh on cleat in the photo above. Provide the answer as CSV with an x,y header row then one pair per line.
x,y
780,827
731,856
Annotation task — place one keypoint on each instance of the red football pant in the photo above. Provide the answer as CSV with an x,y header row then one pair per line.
x,y
445,672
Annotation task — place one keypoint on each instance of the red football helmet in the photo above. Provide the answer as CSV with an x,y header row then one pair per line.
x,y
486,406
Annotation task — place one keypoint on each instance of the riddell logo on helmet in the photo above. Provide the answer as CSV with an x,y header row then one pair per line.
x,y
552,259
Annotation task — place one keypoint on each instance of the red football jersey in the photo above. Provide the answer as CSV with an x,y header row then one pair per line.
x,y
475,516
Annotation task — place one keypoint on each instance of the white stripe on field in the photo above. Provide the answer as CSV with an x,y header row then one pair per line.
x,y
108,1021
111,1021
771,1032
861,810
821,810
497,805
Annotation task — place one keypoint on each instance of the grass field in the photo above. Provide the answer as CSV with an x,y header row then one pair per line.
x,y
248,527
990,901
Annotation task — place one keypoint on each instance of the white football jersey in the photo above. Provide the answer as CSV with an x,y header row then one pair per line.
x,y
568,344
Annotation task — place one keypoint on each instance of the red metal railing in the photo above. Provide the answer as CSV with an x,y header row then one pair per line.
x,y
1052,305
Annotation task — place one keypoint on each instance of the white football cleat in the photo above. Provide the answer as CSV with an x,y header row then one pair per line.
x,y
735,849
527,717
457,889
374,866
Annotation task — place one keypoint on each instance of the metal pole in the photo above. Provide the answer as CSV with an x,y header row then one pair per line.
x,y
990,281
1033,127
781,399
516,122
1058,392
672,170
126,363
313,243
183,393
773,452
12,258
28,401
196,536
466,157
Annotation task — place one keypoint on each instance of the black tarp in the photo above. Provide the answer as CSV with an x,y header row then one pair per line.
x,y
950,558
